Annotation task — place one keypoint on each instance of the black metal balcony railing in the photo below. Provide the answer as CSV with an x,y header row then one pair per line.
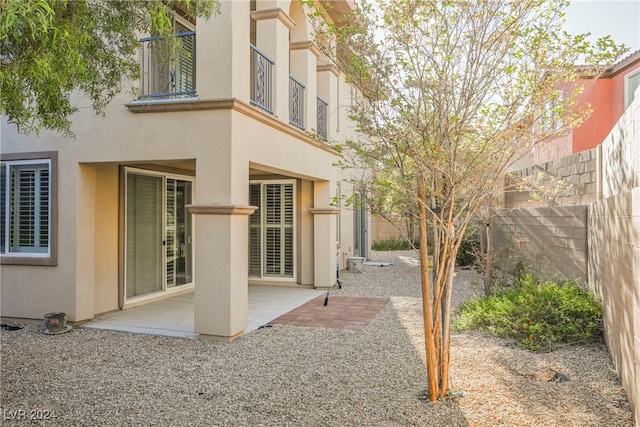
x,y
261,80
322,118
296,103
169,68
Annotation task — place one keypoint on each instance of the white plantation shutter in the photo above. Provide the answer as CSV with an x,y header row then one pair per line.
x,y
271,230
185,70
255,240
170,232
26,194
287,244
3,208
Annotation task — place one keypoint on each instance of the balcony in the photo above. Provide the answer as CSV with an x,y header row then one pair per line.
x,y
296,103
322,118
261,80
168,66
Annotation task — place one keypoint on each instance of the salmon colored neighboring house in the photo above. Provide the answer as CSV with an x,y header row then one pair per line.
x,y
608,97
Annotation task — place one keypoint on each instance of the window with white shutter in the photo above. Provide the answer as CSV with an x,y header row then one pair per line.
x,y
272,230
25,208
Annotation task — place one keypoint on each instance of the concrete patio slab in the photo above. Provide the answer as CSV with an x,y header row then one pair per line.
x,y
174,316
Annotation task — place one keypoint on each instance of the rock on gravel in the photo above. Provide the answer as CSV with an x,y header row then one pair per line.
x,y
294,375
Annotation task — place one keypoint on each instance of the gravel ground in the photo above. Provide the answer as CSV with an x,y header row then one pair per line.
x,y
302,376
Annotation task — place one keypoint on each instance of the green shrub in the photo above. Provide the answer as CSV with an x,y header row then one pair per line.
x,y
536,313
392,245
470,246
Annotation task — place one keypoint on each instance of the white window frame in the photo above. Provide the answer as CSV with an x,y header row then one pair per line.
x,y
49,256
627,94
267,278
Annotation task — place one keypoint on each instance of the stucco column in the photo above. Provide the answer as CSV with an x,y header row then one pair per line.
x,y
304,58
223,72
324,246
327,78
324,235
221,291
272,38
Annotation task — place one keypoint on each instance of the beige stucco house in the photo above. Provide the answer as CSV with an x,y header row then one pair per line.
x,y
209,183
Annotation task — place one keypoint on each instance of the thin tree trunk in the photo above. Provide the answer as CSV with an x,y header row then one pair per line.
x,y
426,295
446,327
488,272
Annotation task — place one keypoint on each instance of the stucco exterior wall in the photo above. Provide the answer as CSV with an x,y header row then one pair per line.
x,y
549,241
595,128
220,140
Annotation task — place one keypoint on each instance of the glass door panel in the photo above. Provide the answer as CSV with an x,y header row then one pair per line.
x,y
143,234
178,249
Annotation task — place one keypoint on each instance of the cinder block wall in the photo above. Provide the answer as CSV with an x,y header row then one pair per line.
x,y
607,182
389,229
614,270
550,241
579,172
614,248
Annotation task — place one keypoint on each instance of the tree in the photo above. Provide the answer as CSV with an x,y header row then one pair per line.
x,y
50,48
452,93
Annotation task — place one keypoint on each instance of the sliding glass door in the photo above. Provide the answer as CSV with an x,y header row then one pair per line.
x,y
158,248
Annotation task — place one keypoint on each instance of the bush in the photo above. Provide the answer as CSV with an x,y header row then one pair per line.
x,y
392,245
469,247
537,314
467,254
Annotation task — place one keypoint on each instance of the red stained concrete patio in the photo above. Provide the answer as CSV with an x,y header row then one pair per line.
x,y
341,313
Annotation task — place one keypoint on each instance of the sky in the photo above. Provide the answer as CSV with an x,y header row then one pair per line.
x,y
618,18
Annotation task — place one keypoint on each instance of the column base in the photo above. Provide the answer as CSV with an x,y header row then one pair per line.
x,y
220,338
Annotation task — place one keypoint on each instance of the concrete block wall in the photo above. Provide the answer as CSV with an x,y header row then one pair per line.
x,y
577,172
614,271
606,181
550,241
389,229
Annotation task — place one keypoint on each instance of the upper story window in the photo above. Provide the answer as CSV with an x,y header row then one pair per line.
x,y
551,118
631,83
26,210
169,63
